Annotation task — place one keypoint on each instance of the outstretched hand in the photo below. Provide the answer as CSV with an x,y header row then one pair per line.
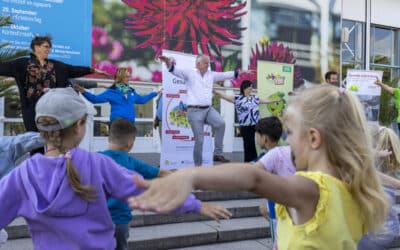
x,y
378,82
383,153
215,212
166,60
250,71
102,72
79,88
164,194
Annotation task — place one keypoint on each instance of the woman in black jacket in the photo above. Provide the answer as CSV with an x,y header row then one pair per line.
x,y
35,74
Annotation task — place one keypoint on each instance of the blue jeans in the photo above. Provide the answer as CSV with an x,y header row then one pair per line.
x,y
121,236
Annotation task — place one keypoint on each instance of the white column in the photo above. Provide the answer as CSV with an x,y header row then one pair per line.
x,y
324,9
367,33
228,114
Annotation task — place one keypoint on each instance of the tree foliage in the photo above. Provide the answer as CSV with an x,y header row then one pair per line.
x,y
8,87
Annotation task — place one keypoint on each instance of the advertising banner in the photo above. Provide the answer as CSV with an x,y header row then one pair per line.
x,y
275,81
177,137
362,83
69,23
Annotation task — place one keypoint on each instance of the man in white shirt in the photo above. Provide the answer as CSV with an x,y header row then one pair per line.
x,y
199,84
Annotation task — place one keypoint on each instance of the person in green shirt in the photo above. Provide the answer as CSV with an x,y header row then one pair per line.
x,y
396,96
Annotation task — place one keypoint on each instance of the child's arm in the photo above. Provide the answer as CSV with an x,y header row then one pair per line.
x,y
118,184
24,143
167,193
389,181
11,197
214,211
163,172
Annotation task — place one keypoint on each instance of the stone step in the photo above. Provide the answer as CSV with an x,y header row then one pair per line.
x,y
197,233
180,235
239,209
257,244
219,196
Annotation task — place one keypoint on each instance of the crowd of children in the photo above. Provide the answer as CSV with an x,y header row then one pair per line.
x,y
333,199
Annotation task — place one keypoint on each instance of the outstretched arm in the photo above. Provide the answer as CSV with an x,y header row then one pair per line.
x,y
384,86
167,193
268,101
224,96
389,181
181,73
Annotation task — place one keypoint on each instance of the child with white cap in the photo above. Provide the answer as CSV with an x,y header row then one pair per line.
x,y
63,194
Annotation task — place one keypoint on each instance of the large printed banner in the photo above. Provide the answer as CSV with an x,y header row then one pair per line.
x,y
361,83
275,81
69,23
177,137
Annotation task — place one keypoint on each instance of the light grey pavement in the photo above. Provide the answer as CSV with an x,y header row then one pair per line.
x,y
154,158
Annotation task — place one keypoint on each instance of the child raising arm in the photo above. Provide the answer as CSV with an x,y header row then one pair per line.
x,y
333,199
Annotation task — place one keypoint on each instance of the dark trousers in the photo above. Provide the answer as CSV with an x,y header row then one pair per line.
x,y
121,236
28,116
249,144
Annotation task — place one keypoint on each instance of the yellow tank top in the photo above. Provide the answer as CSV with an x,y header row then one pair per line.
x,y
336,224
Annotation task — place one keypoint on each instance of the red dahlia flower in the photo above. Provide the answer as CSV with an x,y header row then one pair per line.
x,y
190,26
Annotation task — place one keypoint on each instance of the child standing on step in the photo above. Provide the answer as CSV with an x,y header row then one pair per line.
x,y
387,147
335,195
62,194
120,141
277,160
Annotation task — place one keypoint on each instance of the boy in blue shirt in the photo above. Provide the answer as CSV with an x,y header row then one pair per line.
x,y
121,139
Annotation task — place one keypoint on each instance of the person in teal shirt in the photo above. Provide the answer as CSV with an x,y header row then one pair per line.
x,y
396,96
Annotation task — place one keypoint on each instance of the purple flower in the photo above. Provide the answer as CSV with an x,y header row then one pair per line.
x,y
116,50
99,37
107,66
157,76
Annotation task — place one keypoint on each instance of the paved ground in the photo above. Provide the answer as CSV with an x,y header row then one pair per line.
x,y
154,158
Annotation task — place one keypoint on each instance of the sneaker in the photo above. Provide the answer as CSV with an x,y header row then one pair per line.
x,y
220,158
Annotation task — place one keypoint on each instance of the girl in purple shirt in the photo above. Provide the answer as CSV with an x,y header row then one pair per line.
x,y
63,194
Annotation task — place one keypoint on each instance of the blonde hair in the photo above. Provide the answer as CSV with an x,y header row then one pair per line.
x,y
386,139
56,139
339,117
121,72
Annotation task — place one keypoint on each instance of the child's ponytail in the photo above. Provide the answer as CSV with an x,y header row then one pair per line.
x,y
55,138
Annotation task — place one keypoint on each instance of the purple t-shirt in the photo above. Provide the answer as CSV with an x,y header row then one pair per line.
x,y
39,191
278,161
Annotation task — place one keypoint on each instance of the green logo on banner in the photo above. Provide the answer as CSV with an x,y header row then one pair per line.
x,y
286,69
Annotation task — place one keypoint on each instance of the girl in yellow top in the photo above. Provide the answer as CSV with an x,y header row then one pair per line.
x,y
333,199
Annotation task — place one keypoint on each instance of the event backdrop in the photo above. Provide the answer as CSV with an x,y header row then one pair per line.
x,y
234,33
69,25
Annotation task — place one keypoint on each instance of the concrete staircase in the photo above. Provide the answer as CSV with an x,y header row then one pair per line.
x,y
245,230
164,231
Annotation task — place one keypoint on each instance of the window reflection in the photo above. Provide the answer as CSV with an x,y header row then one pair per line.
x,y
382,45
13,128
